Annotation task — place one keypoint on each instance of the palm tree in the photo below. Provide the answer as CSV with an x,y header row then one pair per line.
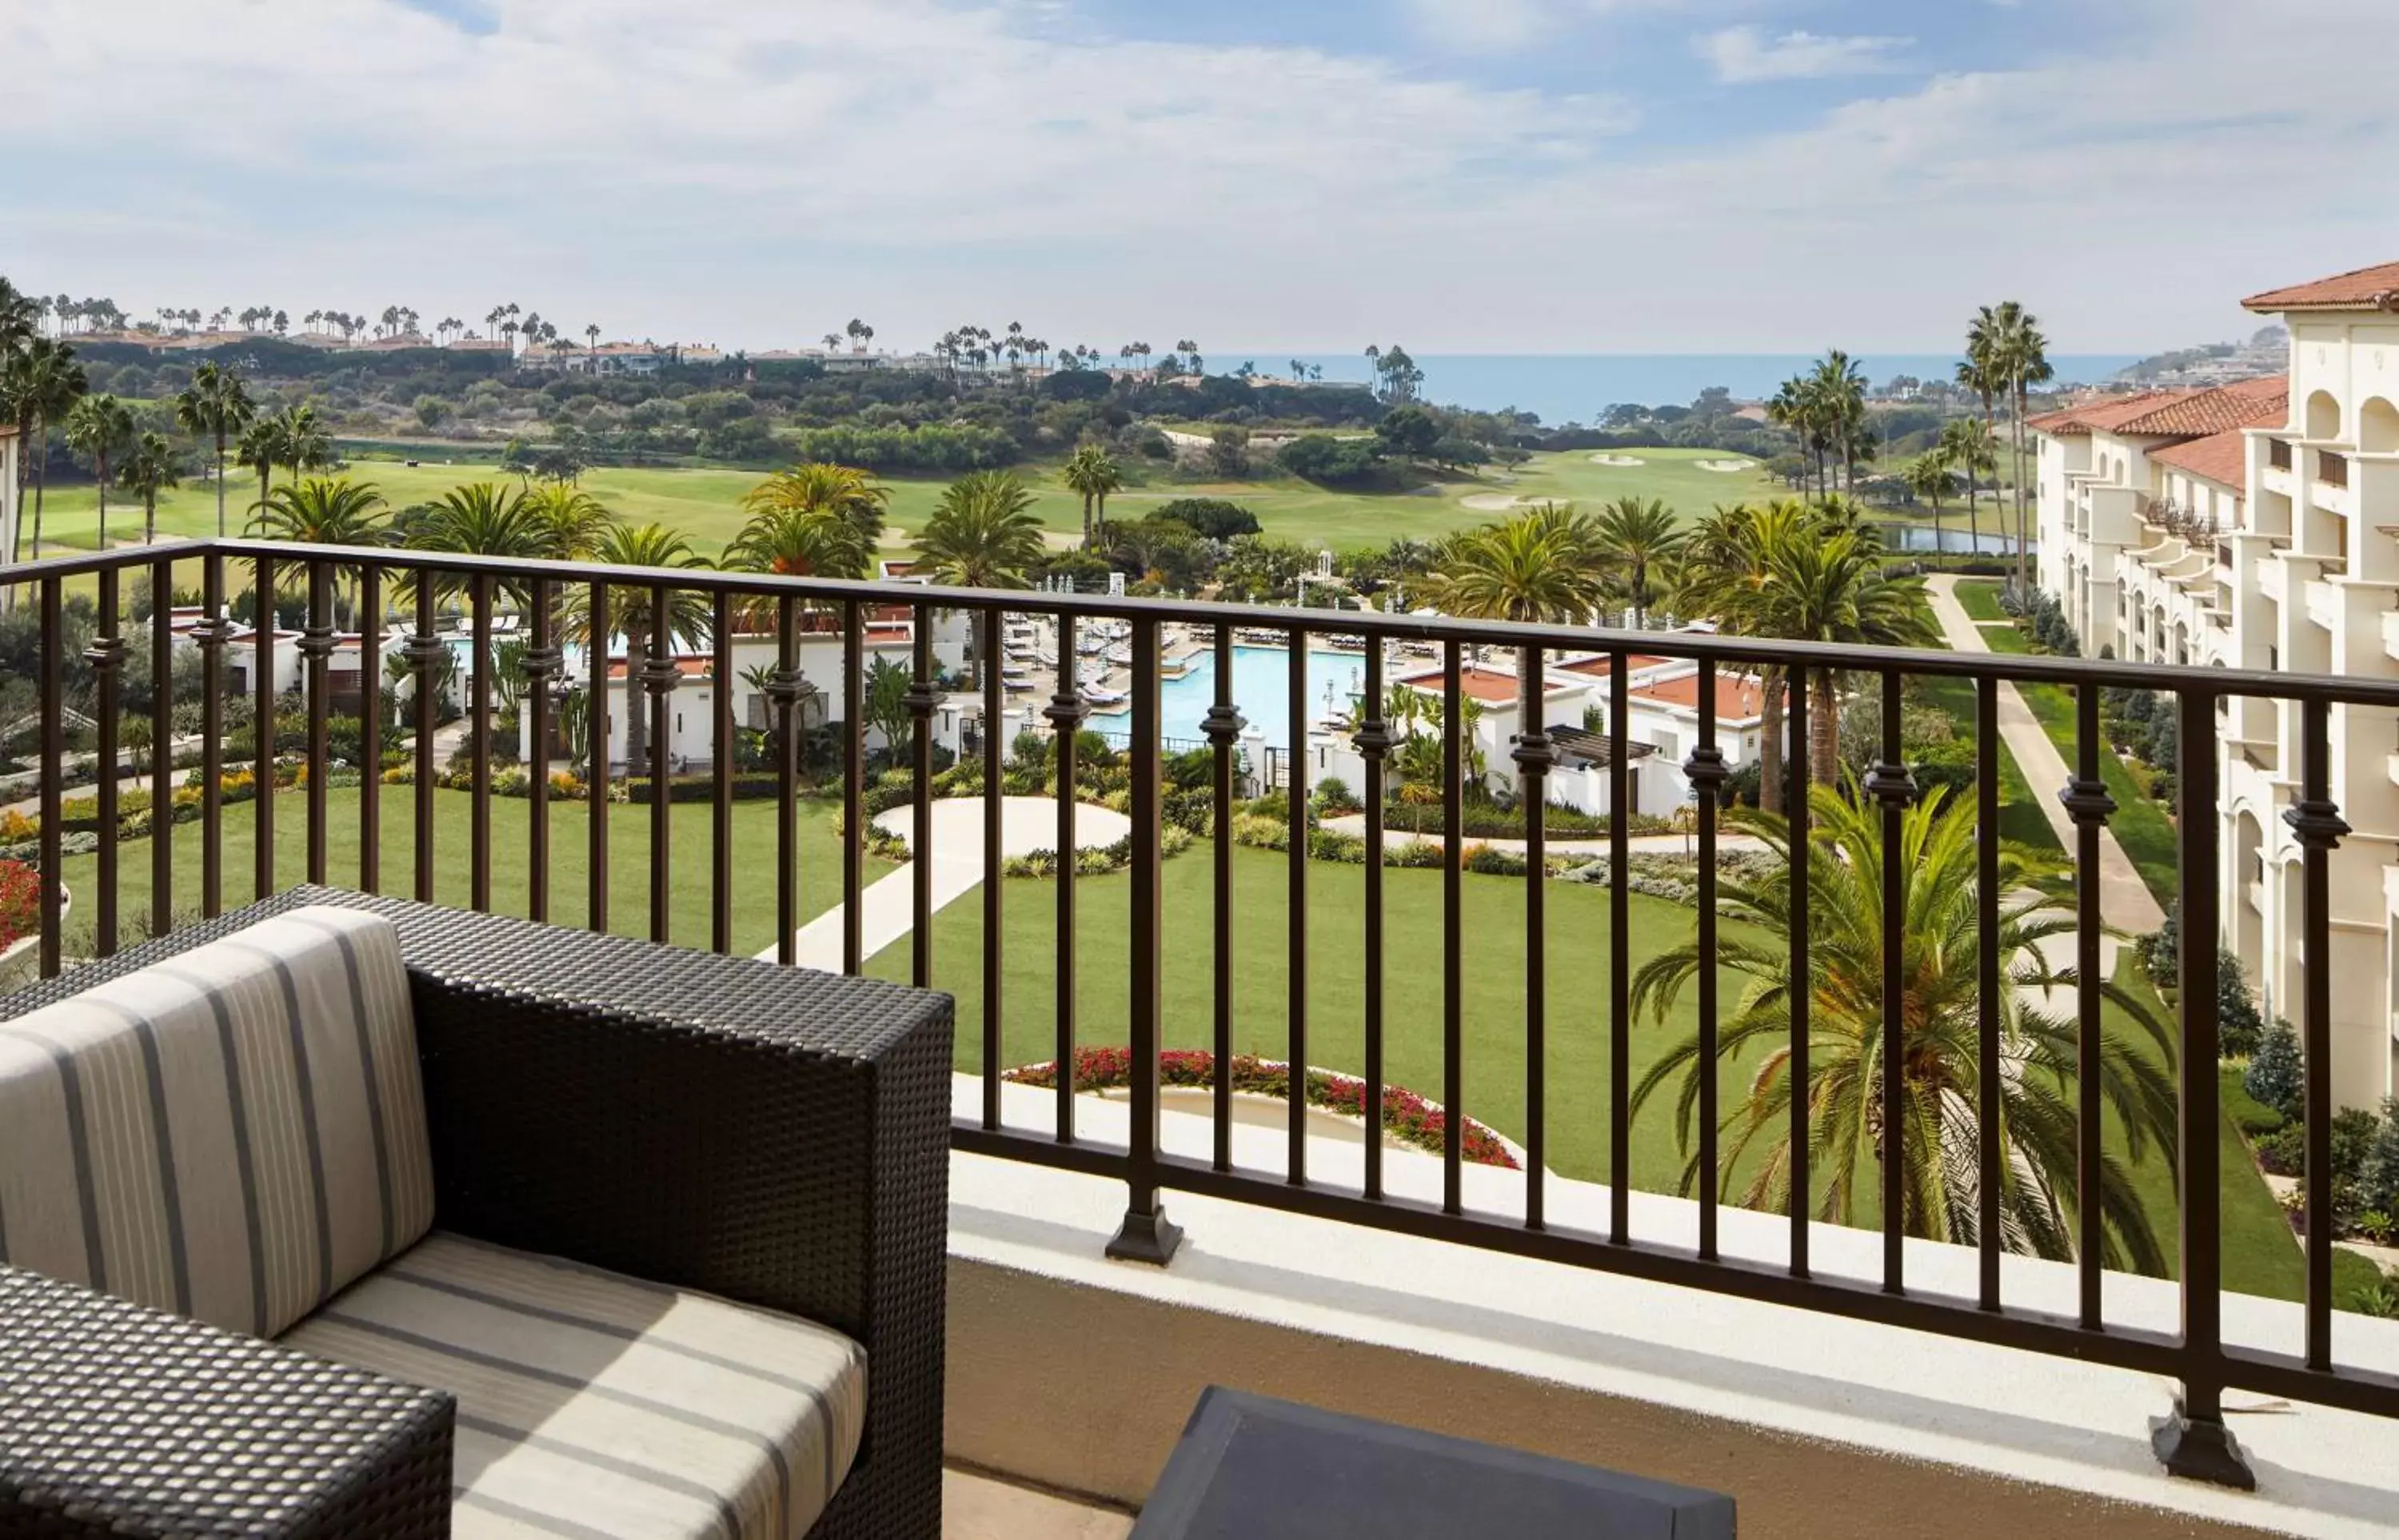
x,y
1839,392
633,611
481,519
301,439
1966,446
261,448
39,384
853,493
2021,354
1537,567
1636,538
97,429
576,519
215,406
802,542
1797,406
1091,474
151,466
1927,476
1828,584
982,535
1940,1097
321,511
21,318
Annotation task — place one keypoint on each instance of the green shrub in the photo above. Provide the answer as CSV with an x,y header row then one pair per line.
x,y
2275,1076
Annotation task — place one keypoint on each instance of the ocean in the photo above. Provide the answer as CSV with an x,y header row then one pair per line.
x,y
1579,387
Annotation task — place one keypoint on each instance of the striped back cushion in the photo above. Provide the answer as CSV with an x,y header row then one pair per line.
x,y
234,1133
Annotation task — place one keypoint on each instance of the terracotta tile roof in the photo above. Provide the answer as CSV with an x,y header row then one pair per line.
x,y
2250,403
1604,665
1485,684
2082,419
2374,288
2220,457
1737,700
689,667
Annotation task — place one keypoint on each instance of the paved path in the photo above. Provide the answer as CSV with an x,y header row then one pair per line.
x,y
2124,899
887,910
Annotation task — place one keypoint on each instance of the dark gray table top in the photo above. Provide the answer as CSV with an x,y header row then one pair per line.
x,y
1249,1467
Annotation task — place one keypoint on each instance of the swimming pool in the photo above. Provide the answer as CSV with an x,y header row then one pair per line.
x,y
1261,688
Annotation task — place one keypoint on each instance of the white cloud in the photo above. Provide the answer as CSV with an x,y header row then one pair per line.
x,y
1745,54
1506,26
753,172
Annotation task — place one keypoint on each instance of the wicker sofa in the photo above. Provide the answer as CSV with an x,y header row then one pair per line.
x,y
636,1241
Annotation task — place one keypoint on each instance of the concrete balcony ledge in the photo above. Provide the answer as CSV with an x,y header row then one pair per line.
x,y
1075,1372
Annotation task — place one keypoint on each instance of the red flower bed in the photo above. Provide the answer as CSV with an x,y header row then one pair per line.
x,y
20,901
1406,1116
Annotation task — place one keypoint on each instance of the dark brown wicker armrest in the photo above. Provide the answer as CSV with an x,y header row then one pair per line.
x,y
120,1421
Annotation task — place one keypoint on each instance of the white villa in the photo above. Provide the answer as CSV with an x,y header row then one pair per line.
x,y
2256,526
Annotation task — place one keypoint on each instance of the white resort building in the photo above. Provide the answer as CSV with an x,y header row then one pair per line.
x,y
2256,526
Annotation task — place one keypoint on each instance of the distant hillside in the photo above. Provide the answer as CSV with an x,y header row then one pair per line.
x,y
2215,363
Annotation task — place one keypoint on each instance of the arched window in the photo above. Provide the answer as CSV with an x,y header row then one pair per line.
x,y
2323,416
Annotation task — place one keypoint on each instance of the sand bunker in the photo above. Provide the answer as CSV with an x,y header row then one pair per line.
x,y
1726,467
1604,459
1488,502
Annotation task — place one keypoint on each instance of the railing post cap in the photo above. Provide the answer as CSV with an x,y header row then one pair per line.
x,y
2316,823
2086,802
1889,784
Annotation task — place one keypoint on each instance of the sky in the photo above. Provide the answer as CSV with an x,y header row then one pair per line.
x,y
1488,176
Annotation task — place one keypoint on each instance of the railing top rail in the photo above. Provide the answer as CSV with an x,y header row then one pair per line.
x,y
1741,650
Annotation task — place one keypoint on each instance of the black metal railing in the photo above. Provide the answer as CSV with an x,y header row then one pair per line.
x,y
418,584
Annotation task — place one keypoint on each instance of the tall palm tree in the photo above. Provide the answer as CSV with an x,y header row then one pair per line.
x,y
1724,576
216,406
98,427
1927,476
259,448
1798,405
814,487
1984,371
1940,1100
21,318
151,466
633,611
1828,584
39,384
984,534
1091,474
2022,356
1839,392
1636,538
1966,445
302,441
1537,567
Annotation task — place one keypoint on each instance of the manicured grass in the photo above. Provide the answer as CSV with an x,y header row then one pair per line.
x,y
705,503
628,861
2140,824
2021,818
1979,597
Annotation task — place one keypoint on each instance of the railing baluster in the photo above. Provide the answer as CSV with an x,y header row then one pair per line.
x,y
2087,802
924,696
597,749
994,791
52,688
106,650
1374,742
1222,727
853,786
1066,714
162,748
370,624
424,651
316,648
662,677
262,657
720,887
1619,949
1452,921
2317,823
1802,981
1147,1235
1989,1100
2194,1441
1889,784
211,633
1295,913
541,665
784,691
479,744
1533,756
1706,771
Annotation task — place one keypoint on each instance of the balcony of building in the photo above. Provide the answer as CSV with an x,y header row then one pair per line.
x,y
1464,1221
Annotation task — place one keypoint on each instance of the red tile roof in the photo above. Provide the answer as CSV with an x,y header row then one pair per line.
x,y
1736,699
1604,665
690,668
2374,288
1485,684
2251,403
2220,457
2102,413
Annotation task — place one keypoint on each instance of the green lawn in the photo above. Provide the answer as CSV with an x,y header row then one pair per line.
x,y
2021,818
629,847
705,503
1980,599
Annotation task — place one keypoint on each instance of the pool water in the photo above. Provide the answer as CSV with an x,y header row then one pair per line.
x,y
1261,690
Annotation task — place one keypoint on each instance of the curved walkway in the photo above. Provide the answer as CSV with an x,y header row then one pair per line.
x,y
1640,844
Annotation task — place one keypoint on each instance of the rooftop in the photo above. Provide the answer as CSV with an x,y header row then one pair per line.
x,y
2251,403
2220,457
2103,414
1739,699
2375,288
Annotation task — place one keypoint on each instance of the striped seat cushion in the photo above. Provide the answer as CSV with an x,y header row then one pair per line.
x,y
594,1404
236,1133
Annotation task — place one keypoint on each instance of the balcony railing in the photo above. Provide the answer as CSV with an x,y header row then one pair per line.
x,y
417,584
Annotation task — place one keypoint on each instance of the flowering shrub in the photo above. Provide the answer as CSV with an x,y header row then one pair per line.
x,y
20,901
1406,1116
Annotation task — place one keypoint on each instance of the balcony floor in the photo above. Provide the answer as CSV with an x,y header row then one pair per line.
x,y
978,1508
